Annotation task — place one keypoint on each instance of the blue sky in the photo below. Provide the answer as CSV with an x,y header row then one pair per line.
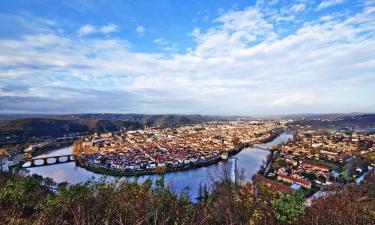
x,y
195,57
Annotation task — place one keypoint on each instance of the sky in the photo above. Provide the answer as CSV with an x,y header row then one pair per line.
x,y
212,57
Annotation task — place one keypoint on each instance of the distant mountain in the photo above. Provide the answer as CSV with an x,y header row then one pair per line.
x,y
314,116
340,121
161,120
166,120
39,127
15,128
19,130
21,116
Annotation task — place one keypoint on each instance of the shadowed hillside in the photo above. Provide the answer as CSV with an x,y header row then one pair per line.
x,y
355,121
18,130
13,129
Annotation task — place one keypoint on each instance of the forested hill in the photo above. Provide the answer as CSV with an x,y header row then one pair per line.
x,y
59,125
166,120
20,130
355,121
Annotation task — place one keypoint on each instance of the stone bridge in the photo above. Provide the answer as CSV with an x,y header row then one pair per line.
x,y
47,161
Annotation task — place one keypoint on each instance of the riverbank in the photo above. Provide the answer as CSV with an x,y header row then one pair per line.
x,y
162,170
268,162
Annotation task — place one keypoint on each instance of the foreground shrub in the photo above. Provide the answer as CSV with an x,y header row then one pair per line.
x,y
28,200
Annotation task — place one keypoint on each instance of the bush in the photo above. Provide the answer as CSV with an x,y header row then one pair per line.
x,y
26,200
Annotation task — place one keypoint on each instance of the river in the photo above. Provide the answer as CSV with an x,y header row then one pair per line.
x,y
249,161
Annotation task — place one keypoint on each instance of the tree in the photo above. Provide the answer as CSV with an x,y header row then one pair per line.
x,y
309,175
161,170
19,198
289,207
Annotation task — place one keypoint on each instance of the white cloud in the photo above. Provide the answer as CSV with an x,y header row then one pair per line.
x,y
86,30
238,66
328,3
298,7
91,29
166,46
109,28
140,30
237,29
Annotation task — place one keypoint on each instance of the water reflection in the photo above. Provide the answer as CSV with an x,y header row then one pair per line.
x,y
39,162
51,160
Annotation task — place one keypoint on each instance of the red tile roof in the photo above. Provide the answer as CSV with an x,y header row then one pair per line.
x,y
310,164
275,186
303,182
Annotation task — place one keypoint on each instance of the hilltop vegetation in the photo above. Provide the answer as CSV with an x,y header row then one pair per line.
x,y
39,127
27,200
17,130
168,120
355,121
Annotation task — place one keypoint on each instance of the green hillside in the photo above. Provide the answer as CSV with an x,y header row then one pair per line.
x,y
21,129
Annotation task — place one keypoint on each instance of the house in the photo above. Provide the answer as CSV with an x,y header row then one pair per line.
x,y
161,164
293,180
315,167
151,166
276,187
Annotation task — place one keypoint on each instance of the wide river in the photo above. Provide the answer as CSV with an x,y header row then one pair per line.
x,y
249,161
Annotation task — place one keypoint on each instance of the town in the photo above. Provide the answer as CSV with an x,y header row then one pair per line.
x,y
313,160
317,159
161,150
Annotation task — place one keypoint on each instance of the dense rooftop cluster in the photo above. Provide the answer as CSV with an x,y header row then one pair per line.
x,y
322,158
172,147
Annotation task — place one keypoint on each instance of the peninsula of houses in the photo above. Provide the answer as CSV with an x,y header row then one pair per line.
x,y
154,150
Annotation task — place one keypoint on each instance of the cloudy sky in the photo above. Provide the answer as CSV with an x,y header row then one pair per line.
x,y
216,57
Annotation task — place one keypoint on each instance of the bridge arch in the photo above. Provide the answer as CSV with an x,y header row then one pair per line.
x,y
51,161
44,161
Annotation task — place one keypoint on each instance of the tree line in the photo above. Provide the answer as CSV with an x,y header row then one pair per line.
x,y
37,200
